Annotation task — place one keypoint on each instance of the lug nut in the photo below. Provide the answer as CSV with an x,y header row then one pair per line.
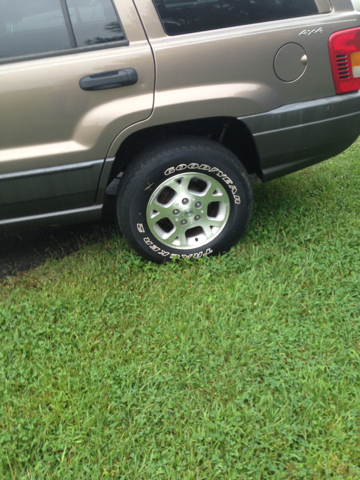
x,y
198,204
185,201
183,222
197,217
176,211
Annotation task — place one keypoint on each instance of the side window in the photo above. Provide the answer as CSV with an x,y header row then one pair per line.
x,y
32,27
179,17
94,22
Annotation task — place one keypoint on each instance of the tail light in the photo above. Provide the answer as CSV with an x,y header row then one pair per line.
x,y
344,49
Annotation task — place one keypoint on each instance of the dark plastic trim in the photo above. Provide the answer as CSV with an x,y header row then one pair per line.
x,y
65,217
45,190
296,136
110,79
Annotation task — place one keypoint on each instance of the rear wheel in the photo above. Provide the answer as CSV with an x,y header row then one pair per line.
x,y
186,197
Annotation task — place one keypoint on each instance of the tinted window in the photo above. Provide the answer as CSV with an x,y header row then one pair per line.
x,y
194,16
94,22
30,27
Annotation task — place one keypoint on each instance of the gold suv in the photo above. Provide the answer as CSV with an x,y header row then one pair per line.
x,y
171,105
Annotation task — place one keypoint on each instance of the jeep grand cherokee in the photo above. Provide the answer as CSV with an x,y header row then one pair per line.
x,y
172,105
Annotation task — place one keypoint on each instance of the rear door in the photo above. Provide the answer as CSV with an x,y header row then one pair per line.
x,y
54,135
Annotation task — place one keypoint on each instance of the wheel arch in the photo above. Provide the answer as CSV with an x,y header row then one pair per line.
x,y
230,132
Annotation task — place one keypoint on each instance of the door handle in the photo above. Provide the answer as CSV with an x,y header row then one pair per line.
x,y
112,79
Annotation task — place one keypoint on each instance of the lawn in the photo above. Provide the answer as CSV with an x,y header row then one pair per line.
x,y
245,366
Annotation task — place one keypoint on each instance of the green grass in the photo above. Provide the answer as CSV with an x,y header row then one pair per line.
x,y
244,366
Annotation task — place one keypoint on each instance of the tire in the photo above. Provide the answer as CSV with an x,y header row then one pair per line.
x,y
186,197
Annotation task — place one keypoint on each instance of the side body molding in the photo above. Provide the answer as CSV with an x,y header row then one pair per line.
x,y
296,136
42,190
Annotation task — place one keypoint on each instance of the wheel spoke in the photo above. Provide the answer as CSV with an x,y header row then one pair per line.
x,y
180,233
210,197
207,230
215,223
183,239
207,225
163,212
182,187
185,184
173,236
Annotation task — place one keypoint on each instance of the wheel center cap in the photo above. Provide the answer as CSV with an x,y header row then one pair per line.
x,y
188,213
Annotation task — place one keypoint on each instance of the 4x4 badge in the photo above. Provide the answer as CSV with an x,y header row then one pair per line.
x,y
311,32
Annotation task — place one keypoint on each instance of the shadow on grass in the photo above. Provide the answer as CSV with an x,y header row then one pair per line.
x,y
23,250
